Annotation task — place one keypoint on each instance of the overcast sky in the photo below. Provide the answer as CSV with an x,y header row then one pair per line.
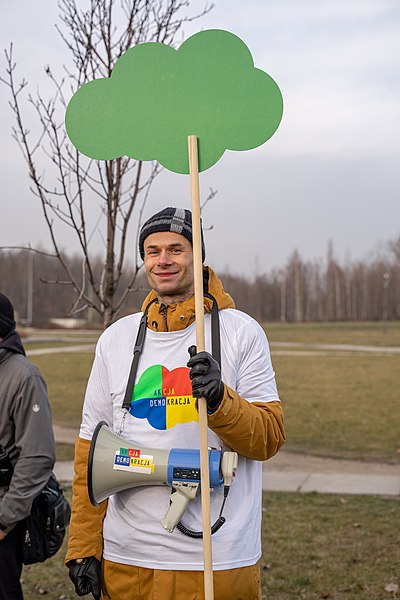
x,y
330,172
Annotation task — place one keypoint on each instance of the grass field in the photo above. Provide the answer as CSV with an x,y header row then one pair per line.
x,y
341,406
314,547
324,546
336,404
368,333
66,375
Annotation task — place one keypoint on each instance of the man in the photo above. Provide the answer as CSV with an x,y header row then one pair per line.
x,y
27,447
139,559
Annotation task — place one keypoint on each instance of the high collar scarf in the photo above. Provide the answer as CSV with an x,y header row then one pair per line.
x,y
175,317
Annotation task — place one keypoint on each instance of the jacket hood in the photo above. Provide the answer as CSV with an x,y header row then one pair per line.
x,y
12,342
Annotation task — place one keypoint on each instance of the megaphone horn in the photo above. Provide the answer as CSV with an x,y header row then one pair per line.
x,y
116,464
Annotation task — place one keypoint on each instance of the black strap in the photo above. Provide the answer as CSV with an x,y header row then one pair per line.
x,y
137,351
215,333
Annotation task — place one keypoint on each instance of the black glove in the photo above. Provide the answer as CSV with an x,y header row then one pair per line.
x,y
205,374
85,575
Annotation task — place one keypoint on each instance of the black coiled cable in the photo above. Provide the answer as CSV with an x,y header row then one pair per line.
x,y
199,534
217,525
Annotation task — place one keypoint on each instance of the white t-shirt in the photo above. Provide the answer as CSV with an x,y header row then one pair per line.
x,y
163,416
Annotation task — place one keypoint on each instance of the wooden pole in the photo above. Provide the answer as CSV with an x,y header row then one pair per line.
x,y
200,343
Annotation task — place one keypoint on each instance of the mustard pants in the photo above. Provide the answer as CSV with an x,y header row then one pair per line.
x,y
125,582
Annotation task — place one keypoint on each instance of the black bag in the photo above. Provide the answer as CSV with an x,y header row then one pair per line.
x,y
44,529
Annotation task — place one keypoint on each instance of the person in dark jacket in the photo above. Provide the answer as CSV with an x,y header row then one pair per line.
x,y
27,447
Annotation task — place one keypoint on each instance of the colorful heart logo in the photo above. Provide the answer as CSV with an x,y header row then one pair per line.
x,y
164,397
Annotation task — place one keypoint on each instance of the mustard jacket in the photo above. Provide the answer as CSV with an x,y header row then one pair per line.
x,y
255,430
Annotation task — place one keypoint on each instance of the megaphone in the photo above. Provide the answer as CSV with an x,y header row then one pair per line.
x,y
117,464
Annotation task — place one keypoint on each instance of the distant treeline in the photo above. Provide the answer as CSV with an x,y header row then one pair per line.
x,y
321,291
301,291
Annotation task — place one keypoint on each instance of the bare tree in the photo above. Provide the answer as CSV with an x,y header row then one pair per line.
x,y
320,291
96,40
394,246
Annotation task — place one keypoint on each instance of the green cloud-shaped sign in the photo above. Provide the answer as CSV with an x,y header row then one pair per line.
x,y
157,96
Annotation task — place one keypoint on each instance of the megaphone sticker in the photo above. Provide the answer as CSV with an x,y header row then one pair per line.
x,y
133,461
164,397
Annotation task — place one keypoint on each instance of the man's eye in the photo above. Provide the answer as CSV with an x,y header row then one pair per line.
x,y
176,251
151,252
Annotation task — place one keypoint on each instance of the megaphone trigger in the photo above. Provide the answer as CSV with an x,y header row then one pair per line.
x,y
181,495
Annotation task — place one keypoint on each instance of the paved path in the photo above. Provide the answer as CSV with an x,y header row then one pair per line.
x,y
333,347
58,349
290,472
294,349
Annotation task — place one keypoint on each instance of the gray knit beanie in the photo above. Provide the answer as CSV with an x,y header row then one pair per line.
x,y
177,220
7,322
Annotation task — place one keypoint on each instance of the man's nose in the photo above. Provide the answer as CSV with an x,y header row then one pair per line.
x,y
164,257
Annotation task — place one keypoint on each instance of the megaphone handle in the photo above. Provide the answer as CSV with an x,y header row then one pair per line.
x,y
182,494
228,466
